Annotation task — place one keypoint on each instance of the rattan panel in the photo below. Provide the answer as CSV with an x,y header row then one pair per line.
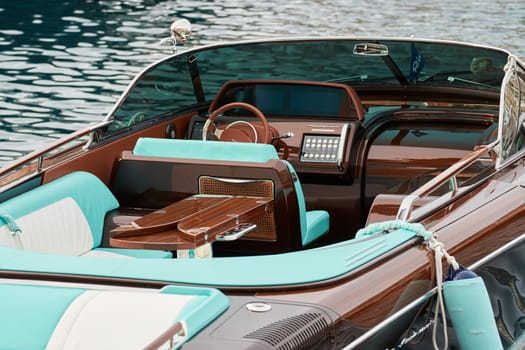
x,y
265,230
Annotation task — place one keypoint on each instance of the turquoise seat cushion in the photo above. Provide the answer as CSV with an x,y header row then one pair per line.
x,y
304,266
139,253
205,150
30,314
317,224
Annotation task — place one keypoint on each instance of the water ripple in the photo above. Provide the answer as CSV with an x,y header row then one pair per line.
x,y
63,64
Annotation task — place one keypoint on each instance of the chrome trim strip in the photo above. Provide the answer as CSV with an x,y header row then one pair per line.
x,y
40,153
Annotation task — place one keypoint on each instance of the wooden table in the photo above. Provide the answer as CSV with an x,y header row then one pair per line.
x,y
192,222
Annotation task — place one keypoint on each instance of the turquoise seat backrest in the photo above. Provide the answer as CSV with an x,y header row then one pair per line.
x,y
205,150
91,195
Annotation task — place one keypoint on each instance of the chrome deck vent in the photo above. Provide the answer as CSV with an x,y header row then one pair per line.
x,y
304,331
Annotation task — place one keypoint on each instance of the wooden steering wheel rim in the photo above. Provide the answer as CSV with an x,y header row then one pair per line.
x,y
254,110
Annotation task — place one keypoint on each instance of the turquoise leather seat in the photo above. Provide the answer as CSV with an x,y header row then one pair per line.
x,y
41,316
64,216
313,223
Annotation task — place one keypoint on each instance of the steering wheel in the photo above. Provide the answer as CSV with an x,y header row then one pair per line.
x,y
240,130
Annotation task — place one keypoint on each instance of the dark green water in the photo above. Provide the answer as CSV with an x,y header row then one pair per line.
x,y
64,63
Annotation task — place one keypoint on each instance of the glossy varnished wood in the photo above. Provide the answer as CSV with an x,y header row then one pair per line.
x,y
218,219
100,159
167,218
470,228
157,182
190,223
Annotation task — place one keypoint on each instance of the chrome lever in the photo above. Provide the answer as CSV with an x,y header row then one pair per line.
x,y
287,135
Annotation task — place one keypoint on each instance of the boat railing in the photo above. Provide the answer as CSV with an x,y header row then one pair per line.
x,y
35,162
449,175
172,336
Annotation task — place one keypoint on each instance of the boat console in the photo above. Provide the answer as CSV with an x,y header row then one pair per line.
x,y
204,191
313,123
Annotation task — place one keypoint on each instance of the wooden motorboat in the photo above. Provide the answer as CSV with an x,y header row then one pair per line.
x,y
310,183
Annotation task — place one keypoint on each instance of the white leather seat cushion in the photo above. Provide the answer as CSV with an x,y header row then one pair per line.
x,y
116,320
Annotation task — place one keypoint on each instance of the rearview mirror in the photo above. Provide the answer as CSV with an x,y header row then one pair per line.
x,y
180,31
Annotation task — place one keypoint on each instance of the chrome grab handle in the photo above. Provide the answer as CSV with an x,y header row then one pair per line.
x,y
448,174
341,146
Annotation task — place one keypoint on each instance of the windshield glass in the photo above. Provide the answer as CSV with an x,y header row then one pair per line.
x,y
167,86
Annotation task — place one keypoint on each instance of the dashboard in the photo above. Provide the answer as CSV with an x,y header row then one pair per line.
x,y
314,123
311,146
